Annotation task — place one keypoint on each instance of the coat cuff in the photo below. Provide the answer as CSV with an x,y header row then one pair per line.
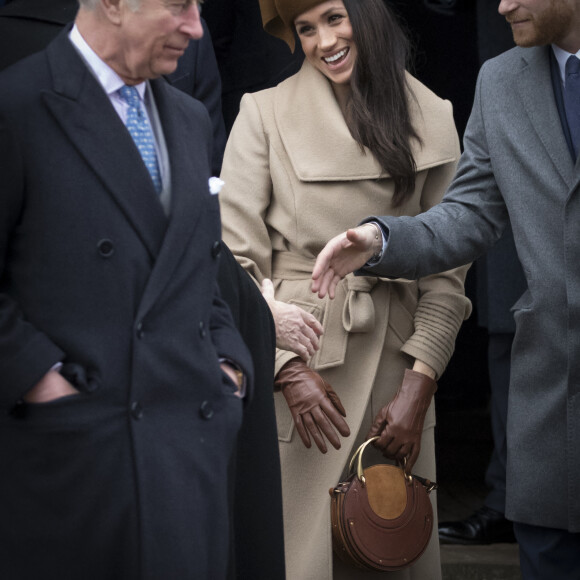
x,y
282,357
436,328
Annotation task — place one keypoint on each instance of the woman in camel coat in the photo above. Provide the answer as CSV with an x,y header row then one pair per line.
x,y
294,178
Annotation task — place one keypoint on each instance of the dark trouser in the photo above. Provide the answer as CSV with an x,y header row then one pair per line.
x,y
548,553
499,353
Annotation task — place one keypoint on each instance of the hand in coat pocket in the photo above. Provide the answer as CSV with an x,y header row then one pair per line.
x,y
51,387
315,407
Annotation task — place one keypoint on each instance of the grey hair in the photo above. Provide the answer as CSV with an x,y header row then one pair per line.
x,y
92,4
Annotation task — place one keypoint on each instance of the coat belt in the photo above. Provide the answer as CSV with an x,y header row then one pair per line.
x,y
352,309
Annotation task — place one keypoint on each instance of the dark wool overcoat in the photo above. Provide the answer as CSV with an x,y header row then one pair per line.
x,y
128,479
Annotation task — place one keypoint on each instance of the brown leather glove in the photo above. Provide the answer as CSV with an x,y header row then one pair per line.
x,y
315,407
399,424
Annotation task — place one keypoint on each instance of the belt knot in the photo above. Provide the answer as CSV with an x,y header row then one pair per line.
x,y
358,312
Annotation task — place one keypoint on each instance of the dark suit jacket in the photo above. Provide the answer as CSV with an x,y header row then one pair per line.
x,y
128,479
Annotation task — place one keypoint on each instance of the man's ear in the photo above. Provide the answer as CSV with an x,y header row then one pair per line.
x,y
113,10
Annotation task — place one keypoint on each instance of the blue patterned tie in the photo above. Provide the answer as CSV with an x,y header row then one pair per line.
x,y
572,100
140,129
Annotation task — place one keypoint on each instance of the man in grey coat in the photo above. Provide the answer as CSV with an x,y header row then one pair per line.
x,y
519,165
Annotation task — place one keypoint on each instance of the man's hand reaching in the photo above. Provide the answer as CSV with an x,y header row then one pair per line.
x,y
342,255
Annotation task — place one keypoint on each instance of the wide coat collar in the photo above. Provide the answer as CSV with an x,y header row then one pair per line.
x,y
318,141
83,110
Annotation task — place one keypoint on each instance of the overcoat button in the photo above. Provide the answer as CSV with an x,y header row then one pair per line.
x,y
202,331
206,410
140,331
106,248
136,410
216,249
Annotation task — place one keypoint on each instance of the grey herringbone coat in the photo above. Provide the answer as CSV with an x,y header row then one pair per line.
x,y
517,164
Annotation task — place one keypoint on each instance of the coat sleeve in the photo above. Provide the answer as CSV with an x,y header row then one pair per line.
x,y
442,305
470,218
26,354
227,339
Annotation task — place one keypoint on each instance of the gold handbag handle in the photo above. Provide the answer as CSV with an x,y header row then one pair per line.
x,y
359,468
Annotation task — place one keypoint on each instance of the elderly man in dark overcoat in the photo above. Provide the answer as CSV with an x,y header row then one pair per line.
x,y
122,377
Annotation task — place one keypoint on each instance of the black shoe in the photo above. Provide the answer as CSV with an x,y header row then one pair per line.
x,y
484,526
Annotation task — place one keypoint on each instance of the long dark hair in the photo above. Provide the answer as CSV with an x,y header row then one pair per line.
x,y
378,111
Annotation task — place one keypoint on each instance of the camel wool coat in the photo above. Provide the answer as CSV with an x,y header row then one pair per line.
x,y
294,178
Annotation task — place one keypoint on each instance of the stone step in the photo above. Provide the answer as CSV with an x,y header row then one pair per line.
x,y
495,562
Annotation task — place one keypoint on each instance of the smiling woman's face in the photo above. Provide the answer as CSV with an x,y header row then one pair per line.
x,y
325,33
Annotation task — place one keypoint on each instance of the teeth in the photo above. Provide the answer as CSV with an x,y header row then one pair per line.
x,y
336,56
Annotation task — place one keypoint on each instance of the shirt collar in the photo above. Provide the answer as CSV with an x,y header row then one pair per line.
x,y
562,56
106,76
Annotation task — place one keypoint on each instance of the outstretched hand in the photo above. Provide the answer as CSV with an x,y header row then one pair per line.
x,y
342,255
296,329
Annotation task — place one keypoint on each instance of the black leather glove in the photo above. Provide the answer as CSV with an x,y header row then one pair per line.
x,y
399,425
315,407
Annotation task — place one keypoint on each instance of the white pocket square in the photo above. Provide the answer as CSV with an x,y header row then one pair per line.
x,y
215,185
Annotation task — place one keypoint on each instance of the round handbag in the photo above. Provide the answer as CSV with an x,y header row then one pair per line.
x,y
381,518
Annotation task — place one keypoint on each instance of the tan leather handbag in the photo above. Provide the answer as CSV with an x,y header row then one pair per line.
x,y
381,518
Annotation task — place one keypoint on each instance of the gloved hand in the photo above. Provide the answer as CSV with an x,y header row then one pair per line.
x,y
315,407
399,424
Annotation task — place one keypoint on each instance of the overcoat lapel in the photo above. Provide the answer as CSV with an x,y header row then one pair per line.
x,y
537,94
85,114
310,126
189,186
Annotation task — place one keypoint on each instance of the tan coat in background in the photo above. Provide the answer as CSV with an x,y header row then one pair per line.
x,y
294,179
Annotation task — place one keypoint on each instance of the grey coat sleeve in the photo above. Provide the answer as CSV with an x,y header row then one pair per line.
x,y
469,220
